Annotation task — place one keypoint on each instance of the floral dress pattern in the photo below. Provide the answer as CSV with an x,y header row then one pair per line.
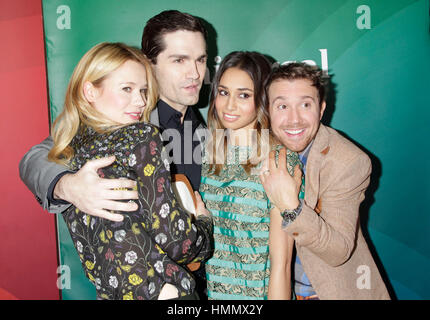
x,y
240,266
134,258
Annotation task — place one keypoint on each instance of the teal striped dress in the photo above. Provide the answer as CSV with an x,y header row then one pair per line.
x,y
240,267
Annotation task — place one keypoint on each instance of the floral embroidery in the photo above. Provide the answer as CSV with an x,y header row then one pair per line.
x,y
171,269
109,255
185,283
102,237
151,287
149,169
132,259
119,235
181,225
160,184
132,160
89,265
159,266
135,228
161,238
165,210
186,245
152,146
134,279
113,281
128,296
79,246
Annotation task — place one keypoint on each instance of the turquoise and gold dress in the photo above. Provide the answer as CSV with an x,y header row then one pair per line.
x,y
240,266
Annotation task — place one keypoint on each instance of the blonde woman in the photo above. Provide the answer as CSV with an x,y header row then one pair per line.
x,y
110,94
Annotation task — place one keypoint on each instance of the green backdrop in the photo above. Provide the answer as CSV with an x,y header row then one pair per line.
x,y
378,59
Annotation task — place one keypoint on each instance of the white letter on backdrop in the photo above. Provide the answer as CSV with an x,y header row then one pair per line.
x,y
363,21
64,21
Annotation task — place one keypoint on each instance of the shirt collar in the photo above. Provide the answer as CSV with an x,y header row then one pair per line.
x,y
303,156
171,118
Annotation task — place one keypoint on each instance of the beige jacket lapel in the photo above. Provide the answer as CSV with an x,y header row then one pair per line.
x,y
315,161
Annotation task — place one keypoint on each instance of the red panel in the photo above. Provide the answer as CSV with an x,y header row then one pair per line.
x,y
28,253
10,10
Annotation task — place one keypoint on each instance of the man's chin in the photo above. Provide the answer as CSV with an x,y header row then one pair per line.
x,y
190,101
295,147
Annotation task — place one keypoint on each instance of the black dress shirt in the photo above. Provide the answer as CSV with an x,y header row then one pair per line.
x,y
187,161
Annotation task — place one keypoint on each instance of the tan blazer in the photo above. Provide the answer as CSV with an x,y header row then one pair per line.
x,y
330,243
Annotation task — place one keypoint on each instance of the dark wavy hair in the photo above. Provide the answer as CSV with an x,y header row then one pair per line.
x,y
166,22
258,67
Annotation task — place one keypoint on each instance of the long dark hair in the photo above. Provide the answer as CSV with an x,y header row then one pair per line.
x,y
258,67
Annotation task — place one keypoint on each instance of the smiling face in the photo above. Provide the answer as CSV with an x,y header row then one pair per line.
x,y
234,102
180,68
122,95
295,112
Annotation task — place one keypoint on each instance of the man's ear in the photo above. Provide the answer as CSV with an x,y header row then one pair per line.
x,y
90,92
322,109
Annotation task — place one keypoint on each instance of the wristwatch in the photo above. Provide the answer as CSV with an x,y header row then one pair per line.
x,y
290,215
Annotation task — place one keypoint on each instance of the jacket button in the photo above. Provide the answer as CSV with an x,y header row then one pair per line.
x,y
295,234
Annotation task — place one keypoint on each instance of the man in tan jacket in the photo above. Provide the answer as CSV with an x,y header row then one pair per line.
x,y
333,260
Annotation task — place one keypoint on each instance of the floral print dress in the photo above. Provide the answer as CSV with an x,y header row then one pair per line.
x,y
134,258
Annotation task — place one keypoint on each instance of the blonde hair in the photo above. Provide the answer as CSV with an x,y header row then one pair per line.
x,y
94,67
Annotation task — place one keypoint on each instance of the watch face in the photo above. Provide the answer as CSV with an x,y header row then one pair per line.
x,y
291,216
288,216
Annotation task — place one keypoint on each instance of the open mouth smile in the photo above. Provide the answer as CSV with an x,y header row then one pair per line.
x,y
294,132
230,117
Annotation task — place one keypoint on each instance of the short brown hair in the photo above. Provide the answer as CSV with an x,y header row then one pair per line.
x,y
296,71
166,22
